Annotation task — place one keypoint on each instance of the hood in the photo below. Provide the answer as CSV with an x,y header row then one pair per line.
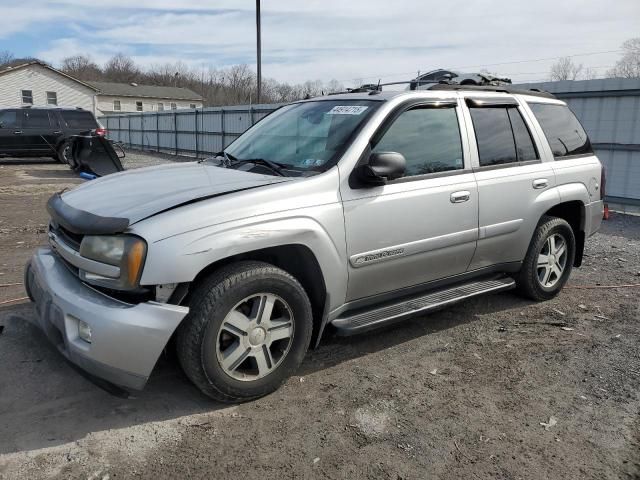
x,y
138,194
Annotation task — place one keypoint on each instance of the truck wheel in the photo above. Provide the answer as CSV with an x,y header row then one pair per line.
x,y
64,154
549,260
248,329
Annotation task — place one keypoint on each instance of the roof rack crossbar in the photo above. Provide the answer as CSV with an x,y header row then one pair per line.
x,y
489,88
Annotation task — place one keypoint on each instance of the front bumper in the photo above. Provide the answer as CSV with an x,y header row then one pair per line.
x,y
126,339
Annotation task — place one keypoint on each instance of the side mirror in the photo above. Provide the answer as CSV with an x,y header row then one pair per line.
x,y
382,167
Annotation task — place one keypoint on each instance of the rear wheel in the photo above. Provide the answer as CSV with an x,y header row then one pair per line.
x,y
64,154
549,260
247,331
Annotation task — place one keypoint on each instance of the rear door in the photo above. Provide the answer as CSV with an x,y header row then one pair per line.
x,y
9,131
515,182
38,136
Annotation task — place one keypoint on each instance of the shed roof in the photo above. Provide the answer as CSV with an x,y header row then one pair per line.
x,y
147,91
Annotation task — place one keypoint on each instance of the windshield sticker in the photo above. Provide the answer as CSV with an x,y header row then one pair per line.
x,y
347,110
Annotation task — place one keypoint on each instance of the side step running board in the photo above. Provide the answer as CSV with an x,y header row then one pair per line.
x,y
408,307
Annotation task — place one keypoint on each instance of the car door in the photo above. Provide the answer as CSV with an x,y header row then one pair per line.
x,y
9,126
38,137
421,227
515,184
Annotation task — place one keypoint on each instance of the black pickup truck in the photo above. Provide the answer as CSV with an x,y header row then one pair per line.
x,y
43,132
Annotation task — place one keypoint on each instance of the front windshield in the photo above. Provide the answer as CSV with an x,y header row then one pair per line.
x,y
303,136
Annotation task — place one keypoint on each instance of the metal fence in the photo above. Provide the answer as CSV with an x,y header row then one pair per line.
x,y
609,109
194,132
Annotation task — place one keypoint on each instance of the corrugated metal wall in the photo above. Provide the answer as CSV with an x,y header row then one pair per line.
x,y
198,132
609,110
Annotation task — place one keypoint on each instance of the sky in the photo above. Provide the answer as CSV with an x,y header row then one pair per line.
x,y
351,41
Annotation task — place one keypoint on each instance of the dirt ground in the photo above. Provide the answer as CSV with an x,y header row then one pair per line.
x,y
496,387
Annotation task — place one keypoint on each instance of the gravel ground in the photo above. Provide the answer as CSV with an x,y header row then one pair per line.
x,y
495,387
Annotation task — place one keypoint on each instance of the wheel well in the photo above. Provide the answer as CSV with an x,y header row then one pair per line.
x,y
299,261
573,212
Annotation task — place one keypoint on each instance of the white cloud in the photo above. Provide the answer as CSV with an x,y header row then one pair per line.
x,y
337,39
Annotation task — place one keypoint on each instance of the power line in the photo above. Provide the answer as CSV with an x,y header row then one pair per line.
x,y
486,65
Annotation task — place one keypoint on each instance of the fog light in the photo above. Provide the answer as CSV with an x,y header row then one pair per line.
x,y
84,331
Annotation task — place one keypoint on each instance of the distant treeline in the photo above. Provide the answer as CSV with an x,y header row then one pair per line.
x,y
227,86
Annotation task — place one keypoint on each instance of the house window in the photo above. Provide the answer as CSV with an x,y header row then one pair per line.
x,y
160,106
27,97
52,98
138,106
174,106
116,106
193,105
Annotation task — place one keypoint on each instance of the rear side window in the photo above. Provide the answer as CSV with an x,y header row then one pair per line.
x,y
524,143
502,136
562,129
78,119
429,139
8,119
35,119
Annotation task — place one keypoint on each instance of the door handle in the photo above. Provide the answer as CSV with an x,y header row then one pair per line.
x,y
540,183
57,132
17,132
459,197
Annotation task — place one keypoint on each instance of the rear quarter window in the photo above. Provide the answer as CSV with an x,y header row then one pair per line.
x,y
78,119
563,130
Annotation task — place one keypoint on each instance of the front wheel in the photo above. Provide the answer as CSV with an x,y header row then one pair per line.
x,y
247,331
549,260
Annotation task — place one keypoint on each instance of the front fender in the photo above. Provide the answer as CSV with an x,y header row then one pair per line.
x,y
180,258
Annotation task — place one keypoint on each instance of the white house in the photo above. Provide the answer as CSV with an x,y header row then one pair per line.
x,y
131,97
34,83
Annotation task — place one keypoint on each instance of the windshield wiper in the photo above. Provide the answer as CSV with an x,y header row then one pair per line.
x,y
274,166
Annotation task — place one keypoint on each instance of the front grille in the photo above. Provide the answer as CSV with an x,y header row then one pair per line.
x,y
72,239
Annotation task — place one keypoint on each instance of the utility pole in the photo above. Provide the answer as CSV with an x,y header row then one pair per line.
x,y
259,47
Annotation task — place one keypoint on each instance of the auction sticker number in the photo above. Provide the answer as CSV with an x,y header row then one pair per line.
x,y
347,110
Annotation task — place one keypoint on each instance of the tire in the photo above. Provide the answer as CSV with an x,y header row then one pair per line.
x,y
542,280
213,351
64,154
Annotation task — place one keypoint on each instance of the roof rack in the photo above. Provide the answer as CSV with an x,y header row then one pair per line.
x,y
488,88
51,107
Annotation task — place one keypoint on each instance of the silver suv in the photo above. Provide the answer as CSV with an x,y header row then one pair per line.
x,y
347,212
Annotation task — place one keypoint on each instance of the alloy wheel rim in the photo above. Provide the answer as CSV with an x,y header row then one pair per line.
x,y
255,337
552,260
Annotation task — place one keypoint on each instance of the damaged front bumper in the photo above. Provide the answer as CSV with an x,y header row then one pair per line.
x,y
126,339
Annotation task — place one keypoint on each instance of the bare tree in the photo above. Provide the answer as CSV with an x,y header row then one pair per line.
x,y
229,86
81,67
334,86
565,69
121,68
629,65
589,74
5,57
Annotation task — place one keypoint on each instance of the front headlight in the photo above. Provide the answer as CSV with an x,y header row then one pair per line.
x,y
124,251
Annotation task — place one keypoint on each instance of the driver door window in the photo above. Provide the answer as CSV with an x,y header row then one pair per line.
x,y
429,139
8,119
9,141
